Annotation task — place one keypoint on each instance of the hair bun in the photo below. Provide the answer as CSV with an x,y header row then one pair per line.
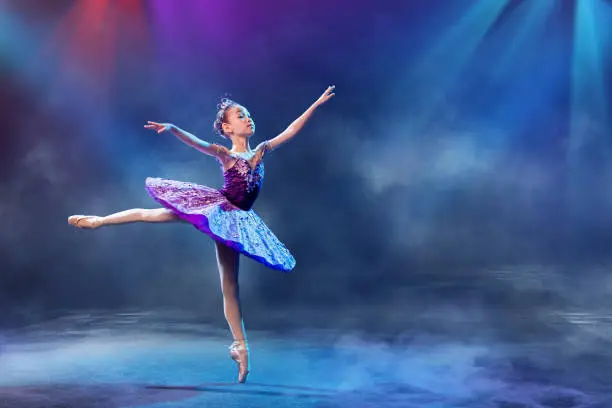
x,y
222,106
225,102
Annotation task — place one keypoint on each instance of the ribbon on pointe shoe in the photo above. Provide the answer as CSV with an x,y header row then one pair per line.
x,y
239,352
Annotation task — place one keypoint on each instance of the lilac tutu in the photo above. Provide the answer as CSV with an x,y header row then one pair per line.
x,y
226,214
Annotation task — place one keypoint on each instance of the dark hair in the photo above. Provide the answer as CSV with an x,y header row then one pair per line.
x,y
222,107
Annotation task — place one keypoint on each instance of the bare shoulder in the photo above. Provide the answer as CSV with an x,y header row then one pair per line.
x,y
263,147
221,152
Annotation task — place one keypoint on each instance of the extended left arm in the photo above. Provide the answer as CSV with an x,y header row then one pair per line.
x,y
299,123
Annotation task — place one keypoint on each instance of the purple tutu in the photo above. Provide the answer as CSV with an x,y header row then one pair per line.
x,y
226,214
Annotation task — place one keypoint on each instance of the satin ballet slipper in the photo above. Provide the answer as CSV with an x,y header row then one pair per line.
x,y
239,352
85,221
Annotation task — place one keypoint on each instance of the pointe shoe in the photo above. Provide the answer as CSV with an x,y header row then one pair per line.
x,y
85,221
239,352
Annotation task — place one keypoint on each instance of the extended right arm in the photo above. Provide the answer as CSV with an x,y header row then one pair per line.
x,y
210,149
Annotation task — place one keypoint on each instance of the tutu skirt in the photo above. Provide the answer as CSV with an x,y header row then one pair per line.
x,y
208,210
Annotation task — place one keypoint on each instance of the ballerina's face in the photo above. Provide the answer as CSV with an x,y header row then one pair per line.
x,y
238,121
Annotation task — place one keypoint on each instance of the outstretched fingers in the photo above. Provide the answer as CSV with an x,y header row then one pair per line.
x,y
155,126
327,95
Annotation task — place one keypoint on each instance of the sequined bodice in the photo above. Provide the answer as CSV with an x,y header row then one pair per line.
x,y
242,183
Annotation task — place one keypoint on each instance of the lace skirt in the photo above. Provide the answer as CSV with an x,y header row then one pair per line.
x,y
212,213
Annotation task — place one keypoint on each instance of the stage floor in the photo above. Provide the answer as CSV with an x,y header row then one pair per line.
x,y
142,360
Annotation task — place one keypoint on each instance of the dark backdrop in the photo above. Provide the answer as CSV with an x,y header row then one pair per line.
x,y
459,178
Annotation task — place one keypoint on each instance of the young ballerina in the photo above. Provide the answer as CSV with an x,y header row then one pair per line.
x,y
225,214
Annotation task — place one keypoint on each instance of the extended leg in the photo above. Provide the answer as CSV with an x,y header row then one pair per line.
x,y
124,217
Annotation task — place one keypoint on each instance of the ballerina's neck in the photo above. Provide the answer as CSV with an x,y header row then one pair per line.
x,y
244,155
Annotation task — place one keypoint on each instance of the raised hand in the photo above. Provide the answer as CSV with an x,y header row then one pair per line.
x,y
158,127
327,95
